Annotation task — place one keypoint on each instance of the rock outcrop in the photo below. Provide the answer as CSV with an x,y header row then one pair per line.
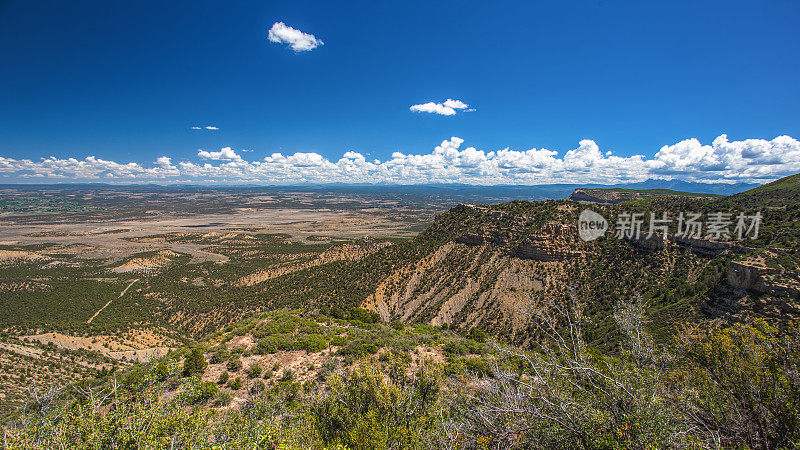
x,y
706,247
539,250
611,196
702,247
761,280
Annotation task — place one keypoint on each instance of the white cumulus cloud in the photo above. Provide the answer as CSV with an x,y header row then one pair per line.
x,y
447,108
455,104
296,39
225,154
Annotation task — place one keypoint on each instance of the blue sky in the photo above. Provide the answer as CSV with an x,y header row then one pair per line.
x,y
123,83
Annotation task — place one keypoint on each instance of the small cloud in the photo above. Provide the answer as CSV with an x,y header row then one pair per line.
x,y
297,40
433,108
207,127
224,154
211,128
446,108
197,128
455,104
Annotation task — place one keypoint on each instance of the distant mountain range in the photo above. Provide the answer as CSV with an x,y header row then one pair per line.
x,y
476,194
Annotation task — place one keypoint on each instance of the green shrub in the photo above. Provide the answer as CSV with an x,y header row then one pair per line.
x,y
161,370
257,387
363,411
219,356
237,351
477,335
313,343
745,383
358,348
279,327
477,365
275,343
195,362
254,371
454,348
234,365
309,327
363,315
236,384
223,398
199,392
265,347
338,341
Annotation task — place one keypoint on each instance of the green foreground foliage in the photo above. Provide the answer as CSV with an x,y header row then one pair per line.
x,y
730,387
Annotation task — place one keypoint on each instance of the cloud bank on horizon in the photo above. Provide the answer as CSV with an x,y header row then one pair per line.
x,y
750,160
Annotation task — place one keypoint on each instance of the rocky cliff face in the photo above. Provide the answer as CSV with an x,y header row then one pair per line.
x,y
482,276
497,262
555,242
770,281
492,268
754,290
586,196
464,286
749,285
742,275
701,247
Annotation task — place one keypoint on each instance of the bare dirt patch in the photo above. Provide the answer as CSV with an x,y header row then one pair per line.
x,y
346,252
139,345
15,256
150,264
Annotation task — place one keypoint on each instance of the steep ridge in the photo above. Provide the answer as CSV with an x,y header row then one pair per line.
x,y
497,260
617,195
482,276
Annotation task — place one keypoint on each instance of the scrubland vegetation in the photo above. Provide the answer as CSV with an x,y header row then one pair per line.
x,y
733,386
